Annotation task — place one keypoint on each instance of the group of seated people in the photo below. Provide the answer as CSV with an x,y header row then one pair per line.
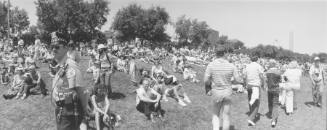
x,y
24,79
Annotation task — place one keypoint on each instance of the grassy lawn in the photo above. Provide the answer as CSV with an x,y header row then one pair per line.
x,y
37,113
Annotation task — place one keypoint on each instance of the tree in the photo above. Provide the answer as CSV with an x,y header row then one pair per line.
x,y
152,25
134,21
73,18
3,19
182,29
19,20
192,32
127,22
199,32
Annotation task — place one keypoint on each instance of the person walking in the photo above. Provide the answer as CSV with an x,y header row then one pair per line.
x,y
318,80
218,85
254,80
292,76
274,77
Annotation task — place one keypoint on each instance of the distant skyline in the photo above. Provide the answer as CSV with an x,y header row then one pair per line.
x,y
253,22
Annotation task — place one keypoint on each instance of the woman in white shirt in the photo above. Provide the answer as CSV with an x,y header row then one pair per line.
x,y
292,77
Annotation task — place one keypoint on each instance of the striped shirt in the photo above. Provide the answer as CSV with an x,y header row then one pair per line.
x,y
220,73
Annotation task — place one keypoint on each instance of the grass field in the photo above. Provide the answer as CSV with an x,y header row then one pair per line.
x,y
37,113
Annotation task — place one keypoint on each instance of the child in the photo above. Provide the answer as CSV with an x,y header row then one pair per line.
x,y
53,66
95,69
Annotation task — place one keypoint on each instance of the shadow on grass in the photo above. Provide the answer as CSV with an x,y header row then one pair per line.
x,y
117,95
309,104
232,127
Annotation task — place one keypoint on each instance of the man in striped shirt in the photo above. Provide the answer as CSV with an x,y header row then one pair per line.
x,y
218,85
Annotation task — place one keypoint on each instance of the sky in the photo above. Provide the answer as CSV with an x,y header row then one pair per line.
x,y
250,21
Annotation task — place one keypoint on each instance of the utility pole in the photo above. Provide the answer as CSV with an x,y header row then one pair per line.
x,y
8,18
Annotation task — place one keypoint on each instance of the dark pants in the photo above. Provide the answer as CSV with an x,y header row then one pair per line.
x,y
317,93
273,100
147,108
294,98
67,122
254,108
106,79
27,88
69,116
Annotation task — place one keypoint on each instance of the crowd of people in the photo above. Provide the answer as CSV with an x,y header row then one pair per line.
x,y
76,105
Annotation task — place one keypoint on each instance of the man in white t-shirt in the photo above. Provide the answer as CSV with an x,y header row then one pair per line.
x,y
254,80
147,100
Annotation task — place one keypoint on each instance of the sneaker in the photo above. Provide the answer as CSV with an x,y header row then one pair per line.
x,y
24,97
187,99
251,123
273,124
181,103
18,96
165,99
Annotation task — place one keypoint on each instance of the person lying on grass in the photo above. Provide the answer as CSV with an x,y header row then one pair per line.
x,y
148,100
173,89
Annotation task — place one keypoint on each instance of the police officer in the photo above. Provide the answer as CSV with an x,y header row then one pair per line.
x,y
68,92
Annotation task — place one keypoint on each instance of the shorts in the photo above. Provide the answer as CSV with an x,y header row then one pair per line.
x,y
220,95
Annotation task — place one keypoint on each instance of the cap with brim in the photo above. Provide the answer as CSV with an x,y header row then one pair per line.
x,y
19,69
316,58
272,63
71,43
101,46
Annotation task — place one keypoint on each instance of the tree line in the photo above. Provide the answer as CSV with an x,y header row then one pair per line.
x,y
81,21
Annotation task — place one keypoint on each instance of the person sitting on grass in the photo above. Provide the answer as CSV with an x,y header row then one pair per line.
x,y
17,84
121,64
148,100
33,82
189,74
156,70
12,66
5,78
100,102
